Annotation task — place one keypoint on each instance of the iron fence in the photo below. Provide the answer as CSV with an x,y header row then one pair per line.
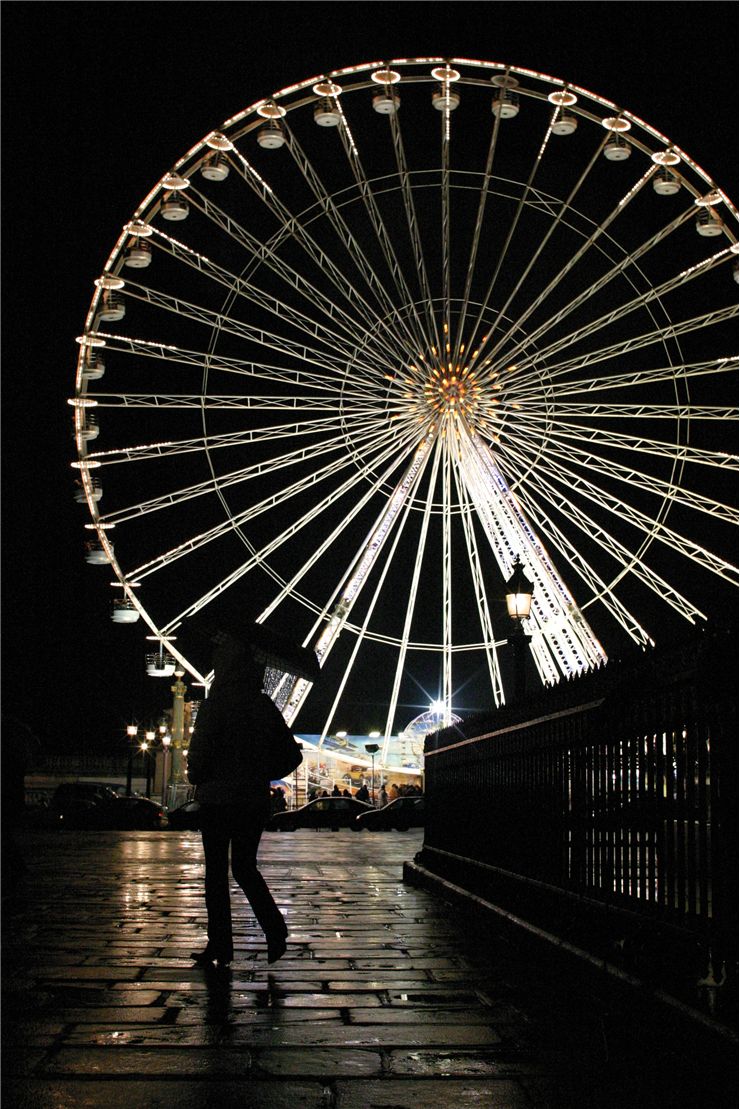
x,y
617,789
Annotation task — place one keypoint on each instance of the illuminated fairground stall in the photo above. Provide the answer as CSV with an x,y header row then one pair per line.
x,y
351,761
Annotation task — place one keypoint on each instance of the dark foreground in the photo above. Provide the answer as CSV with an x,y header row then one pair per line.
x,y
387,997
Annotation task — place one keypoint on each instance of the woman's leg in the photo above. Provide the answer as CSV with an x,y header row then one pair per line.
x,y
246,833
215,833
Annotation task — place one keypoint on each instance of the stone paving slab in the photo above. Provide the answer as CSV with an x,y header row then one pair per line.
x,y
158,1094
386,998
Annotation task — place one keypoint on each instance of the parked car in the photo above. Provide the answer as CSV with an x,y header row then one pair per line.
x,y
81,805
71,793
401,814
139,813
324,812
185,817
95,805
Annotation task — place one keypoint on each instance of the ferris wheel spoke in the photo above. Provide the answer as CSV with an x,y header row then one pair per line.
x,y
543,240
646,339
626,309
625,558
628,379
375,284
293,226
340,338
154,451
361,634
593,581
412,224
219,402
357,308
260,335
459,347
649,526
446,237
334,617
413,593
324,548
589,412
299,377
521,207
682,452
591,287
562,645
356,478
650,483
243,474
481,593
414,330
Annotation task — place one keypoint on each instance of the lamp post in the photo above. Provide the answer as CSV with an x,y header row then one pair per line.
x,y
166,741
131,731
177,769
145,747
519,591
372,750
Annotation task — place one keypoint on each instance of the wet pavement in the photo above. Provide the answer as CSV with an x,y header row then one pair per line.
x,y
387,998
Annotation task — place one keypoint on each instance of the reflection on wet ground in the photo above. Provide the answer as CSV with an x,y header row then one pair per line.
x,y
386,995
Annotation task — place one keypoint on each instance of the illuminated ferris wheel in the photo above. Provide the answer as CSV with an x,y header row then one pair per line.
x,y
387,331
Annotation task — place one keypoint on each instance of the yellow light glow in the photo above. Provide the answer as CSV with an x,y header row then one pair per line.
x,y
384,77
562,98
217,141
173,182
270,110
665,158
327,88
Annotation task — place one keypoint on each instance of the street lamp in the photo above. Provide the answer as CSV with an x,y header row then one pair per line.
x,y
131,731
519,591
149,740
166,741
372,750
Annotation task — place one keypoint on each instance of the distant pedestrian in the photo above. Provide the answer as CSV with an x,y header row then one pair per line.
x,y
279,803
336,792
346,793
383,797
363,794
226,764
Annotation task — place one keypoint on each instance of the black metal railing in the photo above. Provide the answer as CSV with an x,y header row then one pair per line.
x,y
617,789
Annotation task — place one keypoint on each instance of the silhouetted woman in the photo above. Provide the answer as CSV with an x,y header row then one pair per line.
x,y
226,764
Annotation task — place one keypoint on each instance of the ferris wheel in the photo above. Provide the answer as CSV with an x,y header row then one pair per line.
x,y
391,329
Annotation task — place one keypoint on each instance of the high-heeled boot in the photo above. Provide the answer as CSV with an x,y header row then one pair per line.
x,y
212,955
276,945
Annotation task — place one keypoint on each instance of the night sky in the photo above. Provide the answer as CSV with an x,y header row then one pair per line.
x,y
101,99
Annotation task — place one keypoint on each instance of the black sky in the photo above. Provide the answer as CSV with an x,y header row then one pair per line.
x,y
99,100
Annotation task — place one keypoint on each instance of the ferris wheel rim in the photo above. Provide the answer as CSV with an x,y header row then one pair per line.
x,y
245,122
